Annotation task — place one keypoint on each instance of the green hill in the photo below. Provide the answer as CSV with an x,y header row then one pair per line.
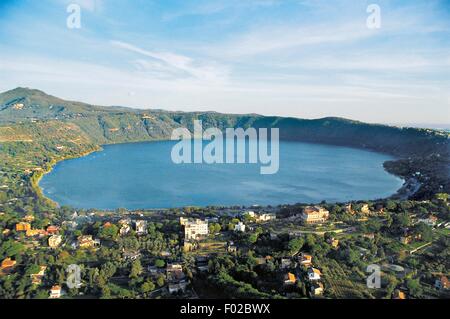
x,y
115,124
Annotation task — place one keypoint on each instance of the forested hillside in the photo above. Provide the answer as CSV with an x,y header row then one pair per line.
x,y
105,125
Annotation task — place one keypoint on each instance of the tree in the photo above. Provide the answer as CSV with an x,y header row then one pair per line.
x,y
424,231
105,293
11,248
32,269
41,294
253,238
108,269
414,287
391,205
160,281
136,269
402,220
109,232
217,228
352,256
147,286
295,245
159,263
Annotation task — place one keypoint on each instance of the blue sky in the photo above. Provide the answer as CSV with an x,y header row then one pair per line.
x,y
299,58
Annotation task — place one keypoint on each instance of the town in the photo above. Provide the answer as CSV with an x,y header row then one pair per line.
x,y
291,251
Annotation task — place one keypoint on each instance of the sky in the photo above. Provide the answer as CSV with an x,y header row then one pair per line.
x,y
299,58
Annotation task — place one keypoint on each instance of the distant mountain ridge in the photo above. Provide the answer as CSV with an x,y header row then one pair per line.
x,y
105,125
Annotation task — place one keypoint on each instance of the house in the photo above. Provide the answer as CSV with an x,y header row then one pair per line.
x,y
36,279
369,235
398,294
55,292
124,221
442,283
35,232
194,229
52,230
289,279
54,241
314,214
305,259
239,227
131,255
285,263
141,227
201,263
86,241
406,239
203,268
349,209
212,219
152,269
175,288
317,289
265,217
174,267
124,229
28,218
431,220
314,274
70,224
7,265
23,226
365,209
175,273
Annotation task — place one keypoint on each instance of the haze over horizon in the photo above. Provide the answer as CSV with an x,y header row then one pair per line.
x,y
298,58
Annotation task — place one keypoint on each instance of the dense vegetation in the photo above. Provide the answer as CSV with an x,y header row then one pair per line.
x,y
38,130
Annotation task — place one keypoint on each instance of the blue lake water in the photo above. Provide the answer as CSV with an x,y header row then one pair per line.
x,y
142,175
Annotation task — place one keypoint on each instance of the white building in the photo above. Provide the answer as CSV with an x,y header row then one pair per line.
x,y
124,229
141,227
194,229
239,227
314,274
55,292
266,217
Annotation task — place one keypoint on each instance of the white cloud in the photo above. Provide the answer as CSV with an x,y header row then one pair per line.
x,y
172,64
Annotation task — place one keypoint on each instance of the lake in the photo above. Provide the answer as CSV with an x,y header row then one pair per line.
x,y
142,175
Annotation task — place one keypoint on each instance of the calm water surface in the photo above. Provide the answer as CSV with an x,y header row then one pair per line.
x,y
142,175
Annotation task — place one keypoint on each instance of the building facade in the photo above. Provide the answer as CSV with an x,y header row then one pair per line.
x,y
195,229
314,214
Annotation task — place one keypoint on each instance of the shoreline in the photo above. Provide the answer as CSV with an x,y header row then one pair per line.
x,y
399,194
36,179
